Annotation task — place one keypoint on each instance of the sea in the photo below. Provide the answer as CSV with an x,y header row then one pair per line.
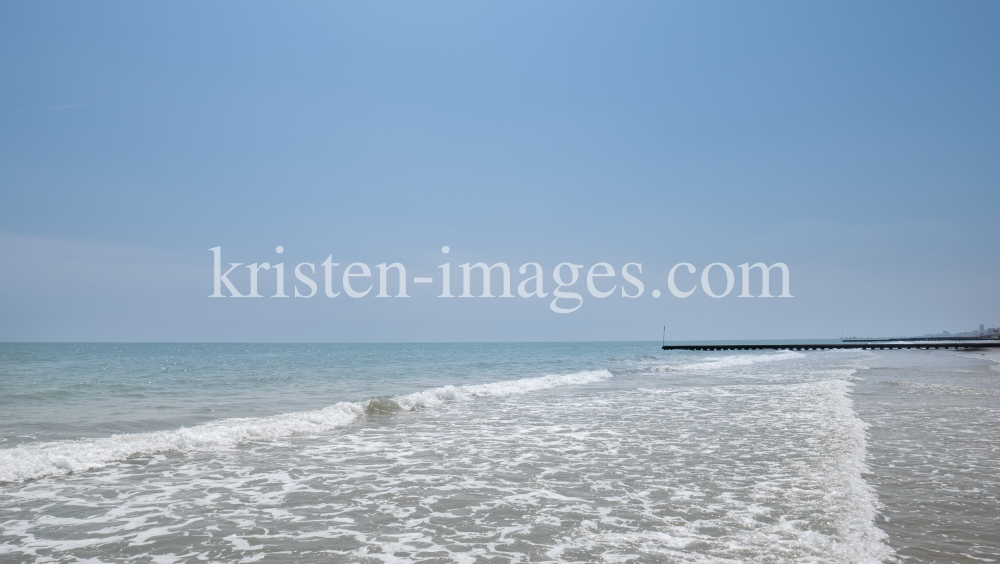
x,y
496,452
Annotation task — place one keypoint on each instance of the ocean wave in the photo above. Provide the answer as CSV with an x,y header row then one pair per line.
x,y
723,362
30,461
437,396
26,462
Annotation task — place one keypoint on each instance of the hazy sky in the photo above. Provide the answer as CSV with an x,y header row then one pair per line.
x,y
857,142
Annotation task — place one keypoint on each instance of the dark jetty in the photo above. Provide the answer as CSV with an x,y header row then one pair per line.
x,y
874,344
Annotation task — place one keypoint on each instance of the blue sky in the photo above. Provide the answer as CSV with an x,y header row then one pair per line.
x,y
856,142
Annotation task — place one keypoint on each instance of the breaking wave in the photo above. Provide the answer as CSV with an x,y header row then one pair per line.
x,y
32,461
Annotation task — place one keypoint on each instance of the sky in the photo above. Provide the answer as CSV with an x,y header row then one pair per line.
x,y
857,143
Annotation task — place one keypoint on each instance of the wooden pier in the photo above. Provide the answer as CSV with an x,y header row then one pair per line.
x,y
993,344
921,339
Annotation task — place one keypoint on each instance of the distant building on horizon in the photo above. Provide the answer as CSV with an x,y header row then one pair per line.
x,y
987,332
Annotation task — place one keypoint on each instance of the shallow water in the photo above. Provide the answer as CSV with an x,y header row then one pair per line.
x,y
495,452
934,452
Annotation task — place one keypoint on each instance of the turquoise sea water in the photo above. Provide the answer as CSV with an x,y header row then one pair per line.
x,y
545,452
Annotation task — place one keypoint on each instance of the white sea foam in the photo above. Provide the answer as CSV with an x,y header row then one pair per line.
x,y
36,460
856,499
437,396
821,444
724,362
32,461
